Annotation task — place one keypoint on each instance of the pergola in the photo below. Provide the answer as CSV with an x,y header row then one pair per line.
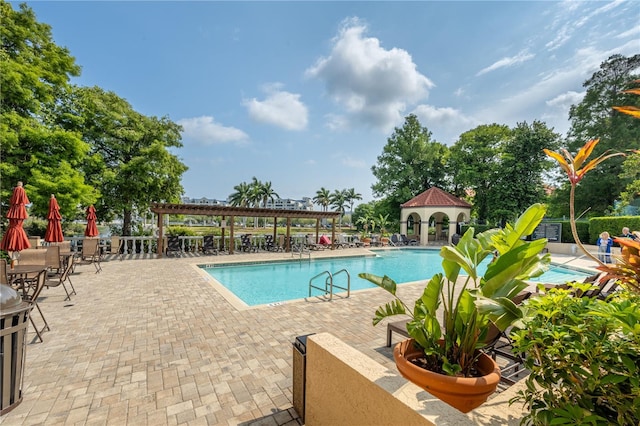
x,y
231,212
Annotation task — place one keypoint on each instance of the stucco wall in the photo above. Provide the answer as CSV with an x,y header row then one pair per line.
x,y
346,387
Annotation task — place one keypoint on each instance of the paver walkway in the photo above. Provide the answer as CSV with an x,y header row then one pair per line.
x,y
151,341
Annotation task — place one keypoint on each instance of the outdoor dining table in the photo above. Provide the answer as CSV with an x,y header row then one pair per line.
x,y
21,278
19,275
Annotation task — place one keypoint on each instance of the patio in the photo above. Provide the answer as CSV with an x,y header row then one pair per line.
x,y
150,341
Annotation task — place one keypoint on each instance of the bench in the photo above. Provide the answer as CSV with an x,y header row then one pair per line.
x,y
399,327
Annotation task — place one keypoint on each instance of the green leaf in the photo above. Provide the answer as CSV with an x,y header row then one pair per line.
x,y
382,282
395,307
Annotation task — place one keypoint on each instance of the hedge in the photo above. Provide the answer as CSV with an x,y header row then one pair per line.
x,y
613,225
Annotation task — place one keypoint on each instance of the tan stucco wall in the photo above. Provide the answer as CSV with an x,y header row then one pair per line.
x,y
346,387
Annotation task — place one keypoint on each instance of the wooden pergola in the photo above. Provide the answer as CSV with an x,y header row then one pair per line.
x,y
162,209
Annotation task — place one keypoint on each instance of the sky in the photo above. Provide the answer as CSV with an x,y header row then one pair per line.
x,y
306,94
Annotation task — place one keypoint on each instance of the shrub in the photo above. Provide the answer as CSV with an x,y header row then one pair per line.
x,y
584,358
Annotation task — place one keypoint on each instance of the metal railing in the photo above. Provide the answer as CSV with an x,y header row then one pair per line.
x,y
329,285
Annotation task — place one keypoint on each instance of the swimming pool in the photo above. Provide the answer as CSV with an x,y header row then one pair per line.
x,y
273,282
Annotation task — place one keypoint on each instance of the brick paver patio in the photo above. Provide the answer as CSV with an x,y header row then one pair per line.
x,y
151,341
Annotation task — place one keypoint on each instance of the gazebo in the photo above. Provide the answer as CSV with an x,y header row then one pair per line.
x,y
437,207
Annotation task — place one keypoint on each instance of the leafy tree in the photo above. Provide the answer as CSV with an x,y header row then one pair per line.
x,y
130,163
475,163
595,118
34,75
267,193
518,179
323,198
410,163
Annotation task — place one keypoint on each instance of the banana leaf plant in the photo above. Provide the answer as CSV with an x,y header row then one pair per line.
x,y
469,301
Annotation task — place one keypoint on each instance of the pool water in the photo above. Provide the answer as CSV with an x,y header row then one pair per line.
x,y
272,282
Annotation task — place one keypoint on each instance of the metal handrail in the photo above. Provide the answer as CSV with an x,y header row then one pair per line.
x,y
328,283
348,288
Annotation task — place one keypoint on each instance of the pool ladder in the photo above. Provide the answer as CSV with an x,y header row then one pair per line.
x,y
328,283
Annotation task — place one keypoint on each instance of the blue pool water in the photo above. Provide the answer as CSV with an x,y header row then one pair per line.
x,y
271,282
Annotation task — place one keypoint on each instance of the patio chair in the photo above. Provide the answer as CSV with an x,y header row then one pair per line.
x,y
358,243
30,294
33,257
269,244
174,248
3,272
395,241
53,259
209,245
91,253
246,244
55,280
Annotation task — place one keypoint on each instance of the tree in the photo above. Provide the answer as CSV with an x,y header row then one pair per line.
x,y
410,163
338,201
323,198
130,163
474,162
594,117
518,179
350,196
240,198
34,75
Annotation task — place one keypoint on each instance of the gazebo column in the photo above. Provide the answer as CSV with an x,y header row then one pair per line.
x,y
424,232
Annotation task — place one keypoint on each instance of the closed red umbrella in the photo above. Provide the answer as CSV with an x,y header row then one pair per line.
x,y
15,239
54,227
92,228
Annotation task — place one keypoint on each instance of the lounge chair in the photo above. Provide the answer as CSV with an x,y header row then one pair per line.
x,y
343,243
209,245
407,241
395,241
358,243
173,246
311,245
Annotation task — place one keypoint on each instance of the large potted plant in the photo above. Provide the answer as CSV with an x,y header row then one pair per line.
x,y
441,355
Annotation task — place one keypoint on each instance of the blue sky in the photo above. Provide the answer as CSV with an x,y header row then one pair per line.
x,y
305,94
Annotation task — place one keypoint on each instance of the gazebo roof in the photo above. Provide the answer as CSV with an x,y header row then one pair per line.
x,y
436,197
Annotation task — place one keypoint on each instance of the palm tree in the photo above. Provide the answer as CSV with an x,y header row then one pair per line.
x,y
323,198
255,196
338,201
267,193
241,197
364,220
350,196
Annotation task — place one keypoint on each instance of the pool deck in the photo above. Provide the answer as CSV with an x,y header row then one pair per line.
x,y
151,341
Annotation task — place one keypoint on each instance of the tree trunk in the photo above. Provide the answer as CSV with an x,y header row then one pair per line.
x,y
126,223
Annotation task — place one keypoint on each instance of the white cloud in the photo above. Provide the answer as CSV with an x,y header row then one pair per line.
x,y
629,33
280,108
353,163
446,123
565,100
336,122
507,62
207,132
373,84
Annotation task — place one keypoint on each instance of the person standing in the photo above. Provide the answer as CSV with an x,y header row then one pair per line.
x,y
627,234
604,243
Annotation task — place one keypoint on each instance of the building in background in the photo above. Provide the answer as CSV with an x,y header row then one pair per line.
x,y
278,204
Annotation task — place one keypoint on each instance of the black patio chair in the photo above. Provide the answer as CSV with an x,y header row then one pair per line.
x,y
174,248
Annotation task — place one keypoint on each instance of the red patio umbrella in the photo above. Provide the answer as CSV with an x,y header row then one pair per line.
x,y
15,239
54,227
92,229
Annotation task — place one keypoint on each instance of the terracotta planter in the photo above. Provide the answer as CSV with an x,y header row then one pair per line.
x,y
463,393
